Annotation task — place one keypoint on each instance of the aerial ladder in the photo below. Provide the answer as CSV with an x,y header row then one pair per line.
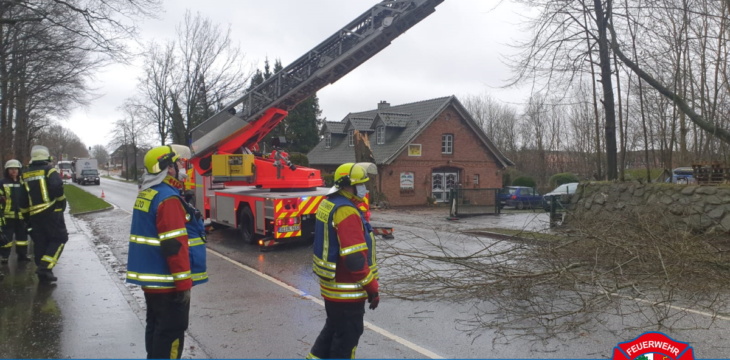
x,y
266,197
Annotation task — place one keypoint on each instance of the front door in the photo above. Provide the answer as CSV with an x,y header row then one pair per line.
x,y
442,183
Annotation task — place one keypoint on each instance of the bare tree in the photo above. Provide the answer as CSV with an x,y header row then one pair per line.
x,y
47,51
191,79
130,133
499,121
157,87
106,25
100,153
62,143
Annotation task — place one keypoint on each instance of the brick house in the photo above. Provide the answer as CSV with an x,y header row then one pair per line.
x,y
422,149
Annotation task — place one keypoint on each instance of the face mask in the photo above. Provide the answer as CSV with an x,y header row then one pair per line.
x,y
361,191
181,175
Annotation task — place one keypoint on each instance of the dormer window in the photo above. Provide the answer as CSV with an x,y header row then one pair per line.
x,y
351,138
380,135
328,140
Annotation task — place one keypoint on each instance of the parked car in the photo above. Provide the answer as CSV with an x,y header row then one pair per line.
x,y
682,175
520,197
561,194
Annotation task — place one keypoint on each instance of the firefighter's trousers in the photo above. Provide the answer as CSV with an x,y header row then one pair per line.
x,y
15,231
49,237
167,321
342,330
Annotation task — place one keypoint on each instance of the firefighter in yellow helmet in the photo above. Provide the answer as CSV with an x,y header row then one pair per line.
x,y
14,228
166,250
44,207
344,260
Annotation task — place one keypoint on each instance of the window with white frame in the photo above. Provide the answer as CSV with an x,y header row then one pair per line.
x,y
351,138
380,135
328,140
447,143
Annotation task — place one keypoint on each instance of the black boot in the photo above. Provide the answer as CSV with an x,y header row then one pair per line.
x,y
46,275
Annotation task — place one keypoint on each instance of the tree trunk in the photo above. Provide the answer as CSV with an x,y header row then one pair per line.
x,y
608,102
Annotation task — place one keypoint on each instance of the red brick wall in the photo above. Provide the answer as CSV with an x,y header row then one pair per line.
x,y
469,157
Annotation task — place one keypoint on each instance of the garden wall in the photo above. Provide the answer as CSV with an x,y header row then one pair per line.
x,y
703,209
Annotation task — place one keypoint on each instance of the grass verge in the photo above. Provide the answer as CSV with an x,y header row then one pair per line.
x,y
81,201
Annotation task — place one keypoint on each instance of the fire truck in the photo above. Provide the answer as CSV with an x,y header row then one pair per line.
x,y
269,199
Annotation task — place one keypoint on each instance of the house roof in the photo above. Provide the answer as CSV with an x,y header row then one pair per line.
x,y
404,122
361,124
334,127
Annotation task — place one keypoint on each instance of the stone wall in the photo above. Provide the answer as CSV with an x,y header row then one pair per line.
x,y
700,208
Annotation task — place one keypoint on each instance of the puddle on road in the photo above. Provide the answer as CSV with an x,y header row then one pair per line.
x,y
30,318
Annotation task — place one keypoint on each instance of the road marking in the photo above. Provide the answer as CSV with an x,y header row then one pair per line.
x,y
674,307
304,294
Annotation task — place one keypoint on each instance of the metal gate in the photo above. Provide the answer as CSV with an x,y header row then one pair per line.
x,y
465,202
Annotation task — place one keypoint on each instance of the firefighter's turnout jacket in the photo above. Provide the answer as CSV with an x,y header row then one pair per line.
x,y
11,193
171,260
341,230
44,188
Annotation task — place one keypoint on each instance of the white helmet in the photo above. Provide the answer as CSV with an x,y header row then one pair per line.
x,y
39,153
12,163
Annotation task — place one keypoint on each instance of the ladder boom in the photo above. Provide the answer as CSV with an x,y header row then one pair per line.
x,y
326,63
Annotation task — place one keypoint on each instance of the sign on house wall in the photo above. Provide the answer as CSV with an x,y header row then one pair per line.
x,y
414,149
407,179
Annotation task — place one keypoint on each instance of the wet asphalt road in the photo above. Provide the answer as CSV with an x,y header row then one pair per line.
x,y
263,304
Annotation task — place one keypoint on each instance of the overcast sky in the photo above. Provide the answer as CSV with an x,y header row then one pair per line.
x,y
458,50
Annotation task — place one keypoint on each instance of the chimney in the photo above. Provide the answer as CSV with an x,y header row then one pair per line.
x,y
383,105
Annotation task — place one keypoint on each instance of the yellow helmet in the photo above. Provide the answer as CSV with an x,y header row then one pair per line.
x,y
12,163
354,173
159,158
39,153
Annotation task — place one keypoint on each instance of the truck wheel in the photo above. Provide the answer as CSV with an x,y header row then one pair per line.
x,y
520,205
245,225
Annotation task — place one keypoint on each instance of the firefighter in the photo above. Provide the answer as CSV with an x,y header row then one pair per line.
x,y
166,250
344,260
43,210
14,229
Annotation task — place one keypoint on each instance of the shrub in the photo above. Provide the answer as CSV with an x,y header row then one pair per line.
x,y
524,181
329,180
506,179
562,178
299,159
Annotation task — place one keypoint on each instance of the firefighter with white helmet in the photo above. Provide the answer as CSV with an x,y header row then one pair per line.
x,y
166,250
344,260
43,210
14,229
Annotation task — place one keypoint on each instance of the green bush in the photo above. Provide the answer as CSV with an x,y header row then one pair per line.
x,y
329,180
562,178
506,179
299,159
524,181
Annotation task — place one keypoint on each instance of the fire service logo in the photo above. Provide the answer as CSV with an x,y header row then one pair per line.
x,y
653,346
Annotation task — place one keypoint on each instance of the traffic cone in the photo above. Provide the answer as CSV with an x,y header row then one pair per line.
x,y
102,193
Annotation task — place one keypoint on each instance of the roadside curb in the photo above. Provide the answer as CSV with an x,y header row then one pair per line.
x,y
93,211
